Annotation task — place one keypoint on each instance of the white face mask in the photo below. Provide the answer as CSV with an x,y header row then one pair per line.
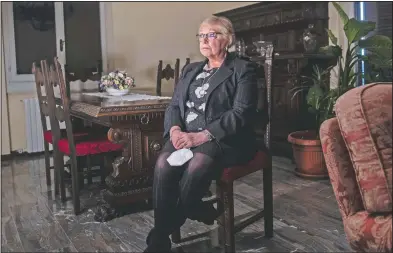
x,y
180,157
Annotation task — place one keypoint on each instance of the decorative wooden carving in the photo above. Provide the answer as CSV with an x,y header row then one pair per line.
x,y
131,178
167,73
44,112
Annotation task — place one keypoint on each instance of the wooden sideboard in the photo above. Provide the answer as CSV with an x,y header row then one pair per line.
x,y
283,24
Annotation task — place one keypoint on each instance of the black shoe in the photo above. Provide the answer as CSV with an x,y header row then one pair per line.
x,y
157,249
206,213
157,243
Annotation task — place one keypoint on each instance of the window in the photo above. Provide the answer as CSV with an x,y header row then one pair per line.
x,y
381,14
35,38
360,15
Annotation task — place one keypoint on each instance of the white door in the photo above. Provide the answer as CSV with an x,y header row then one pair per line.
x,y
32,32
60,34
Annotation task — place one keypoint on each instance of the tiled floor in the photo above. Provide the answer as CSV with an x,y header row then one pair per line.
x,y
306,215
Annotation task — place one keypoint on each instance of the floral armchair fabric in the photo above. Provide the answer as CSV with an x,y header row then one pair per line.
x,y
357,146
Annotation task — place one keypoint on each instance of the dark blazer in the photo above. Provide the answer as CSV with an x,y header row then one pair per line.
x,y
230,104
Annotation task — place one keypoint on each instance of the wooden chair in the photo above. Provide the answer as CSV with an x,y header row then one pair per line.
x,y
83,75
168,73
73,145
44,112
48,134
262,161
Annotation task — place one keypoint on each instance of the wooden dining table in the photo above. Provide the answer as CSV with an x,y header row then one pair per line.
x,y
139,125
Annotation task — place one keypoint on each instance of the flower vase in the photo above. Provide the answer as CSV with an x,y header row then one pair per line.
x,y
309,40
117,83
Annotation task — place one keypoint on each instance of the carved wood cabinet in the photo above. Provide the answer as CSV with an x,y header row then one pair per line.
x,y
283,24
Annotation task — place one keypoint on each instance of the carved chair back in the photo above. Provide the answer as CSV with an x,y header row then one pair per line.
x,y
59,112
44,113
268,68
92,73
54,111
82,75
59,106
42,100
265,100
168,73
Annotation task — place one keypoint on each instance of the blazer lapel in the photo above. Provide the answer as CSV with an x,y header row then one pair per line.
x,y
189,77
223,73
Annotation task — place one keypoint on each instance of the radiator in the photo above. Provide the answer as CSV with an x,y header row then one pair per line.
x,y
34,135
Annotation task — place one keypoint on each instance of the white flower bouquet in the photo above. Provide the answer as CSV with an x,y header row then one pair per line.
x,y
118,80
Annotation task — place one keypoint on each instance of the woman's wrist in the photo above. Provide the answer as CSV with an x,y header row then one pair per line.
x,y
208,135
173,129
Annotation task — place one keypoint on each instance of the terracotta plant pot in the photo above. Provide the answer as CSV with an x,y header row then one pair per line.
x,y
308,155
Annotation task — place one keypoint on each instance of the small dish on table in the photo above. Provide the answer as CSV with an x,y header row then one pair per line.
x,y
116,92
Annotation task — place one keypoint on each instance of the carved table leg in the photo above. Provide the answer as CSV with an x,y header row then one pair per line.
x,y
132,176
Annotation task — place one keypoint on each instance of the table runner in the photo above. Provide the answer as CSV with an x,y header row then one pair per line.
x,y
128,97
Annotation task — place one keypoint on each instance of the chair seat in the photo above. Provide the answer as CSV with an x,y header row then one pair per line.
x,y
48,135
260,161
90,147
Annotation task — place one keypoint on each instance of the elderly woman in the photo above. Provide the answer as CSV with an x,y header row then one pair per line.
x,y
211,113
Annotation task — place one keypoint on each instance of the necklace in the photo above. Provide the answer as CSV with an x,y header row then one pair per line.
x,y
213,73
210,76
202,90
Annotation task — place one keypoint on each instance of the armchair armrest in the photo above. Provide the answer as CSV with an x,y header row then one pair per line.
x,y
340,168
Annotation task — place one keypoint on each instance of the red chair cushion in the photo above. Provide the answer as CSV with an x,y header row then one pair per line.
x,y
89,147
260,161
48,135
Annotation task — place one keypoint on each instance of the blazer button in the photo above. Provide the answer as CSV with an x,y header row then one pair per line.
x,y
209,118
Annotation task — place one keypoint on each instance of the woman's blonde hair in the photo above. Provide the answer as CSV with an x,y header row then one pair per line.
x,y
225,27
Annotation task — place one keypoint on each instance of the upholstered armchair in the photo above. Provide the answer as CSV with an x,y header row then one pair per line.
x,y
357,146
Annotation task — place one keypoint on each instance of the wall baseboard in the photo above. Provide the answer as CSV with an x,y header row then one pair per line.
x,y
24,155
7,157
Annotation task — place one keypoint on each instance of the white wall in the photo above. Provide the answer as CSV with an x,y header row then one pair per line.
x,y
5,131
145,32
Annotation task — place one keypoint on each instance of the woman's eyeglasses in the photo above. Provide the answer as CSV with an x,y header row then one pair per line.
x,y
210,36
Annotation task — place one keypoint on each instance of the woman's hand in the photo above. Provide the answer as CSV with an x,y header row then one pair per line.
x,y
189,140
175,134
176,139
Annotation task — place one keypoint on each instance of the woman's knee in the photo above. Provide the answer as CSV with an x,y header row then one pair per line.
x,y
163,170
199,166
197,177
162,160
162,165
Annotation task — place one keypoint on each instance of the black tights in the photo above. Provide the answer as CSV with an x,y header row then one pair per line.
x,y
178,191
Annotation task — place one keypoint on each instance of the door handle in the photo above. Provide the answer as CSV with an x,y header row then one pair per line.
x,y
62,45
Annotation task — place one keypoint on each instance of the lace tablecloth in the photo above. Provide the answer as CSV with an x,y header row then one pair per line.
x,y
128,97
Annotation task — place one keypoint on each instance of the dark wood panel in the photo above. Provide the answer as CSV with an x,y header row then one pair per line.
x,y
384,23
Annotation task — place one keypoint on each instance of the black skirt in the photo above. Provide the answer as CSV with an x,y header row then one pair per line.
x,y
224,155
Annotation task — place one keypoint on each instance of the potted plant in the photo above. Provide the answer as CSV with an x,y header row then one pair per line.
x,y
307,149
321,98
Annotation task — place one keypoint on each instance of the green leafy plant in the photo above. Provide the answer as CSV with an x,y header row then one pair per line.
x,y
320,98
379,58
378,48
